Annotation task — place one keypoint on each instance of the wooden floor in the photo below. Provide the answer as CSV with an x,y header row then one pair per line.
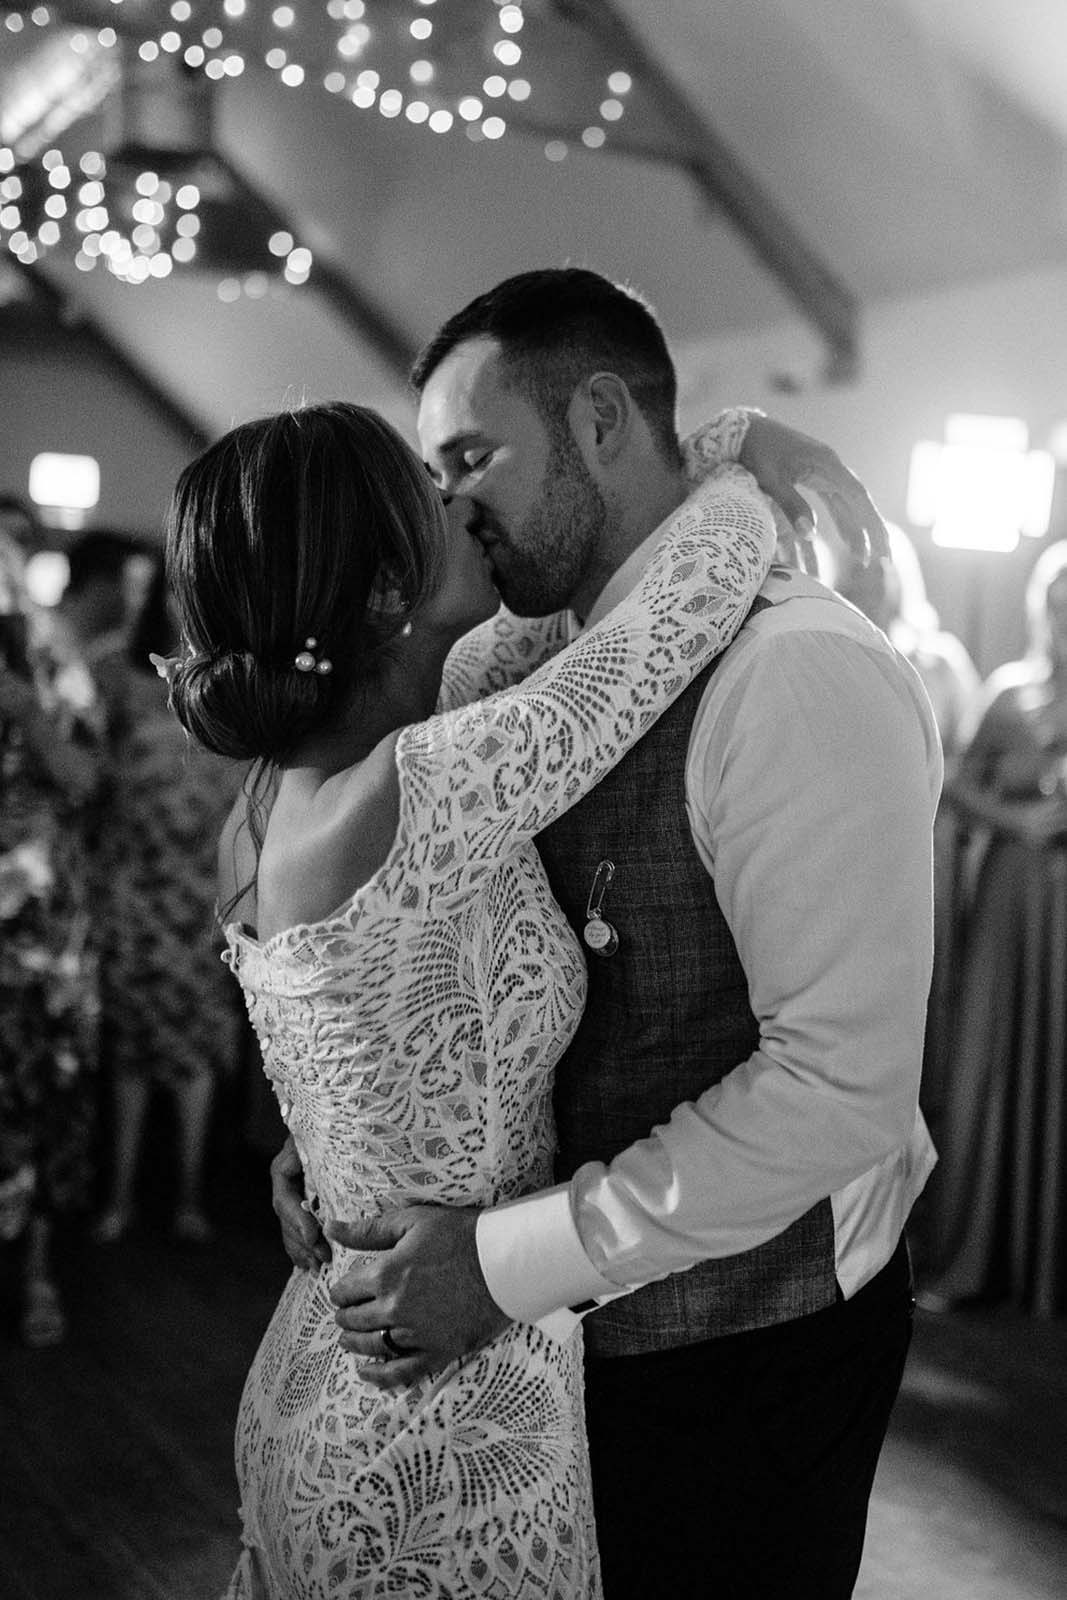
x,y
116,1476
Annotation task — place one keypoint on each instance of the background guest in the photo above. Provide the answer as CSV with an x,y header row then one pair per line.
x,y
169,1013
892,592
92,616
49,768
1000,1201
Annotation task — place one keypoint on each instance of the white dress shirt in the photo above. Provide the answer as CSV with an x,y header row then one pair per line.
x,y
812,778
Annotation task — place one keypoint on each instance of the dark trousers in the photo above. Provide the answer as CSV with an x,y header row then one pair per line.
x,y
741,1468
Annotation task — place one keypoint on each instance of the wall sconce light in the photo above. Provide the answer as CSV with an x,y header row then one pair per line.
x,y
65,487
983,487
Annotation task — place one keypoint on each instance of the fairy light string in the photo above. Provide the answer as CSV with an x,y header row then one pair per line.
x,y
392,58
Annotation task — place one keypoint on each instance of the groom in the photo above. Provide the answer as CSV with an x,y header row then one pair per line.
x,y
739,1138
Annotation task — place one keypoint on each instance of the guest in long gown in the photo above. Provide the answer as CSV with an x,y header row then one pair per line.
x,y
410,977
1001,1195
49,769
170,1017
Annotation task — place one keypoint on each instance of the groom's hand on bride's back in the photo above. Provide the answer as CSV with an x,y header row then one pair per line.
x,y
423,1285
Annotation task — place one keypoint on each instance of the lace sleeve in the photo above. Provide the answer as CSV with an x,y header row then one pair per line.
x,y
716,443
499,653
478,782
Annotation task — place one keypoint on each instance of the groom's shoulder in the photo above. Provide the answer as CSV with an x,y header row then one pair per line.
x,y
790,600
791,605
798,628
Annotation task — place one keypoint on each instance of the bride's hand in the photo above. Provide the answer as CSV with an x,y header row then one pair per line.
x,y
782,461
305,1244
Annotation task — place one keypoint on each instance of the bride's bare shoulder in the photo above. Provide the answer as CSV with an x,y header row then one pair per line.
x,y
326,837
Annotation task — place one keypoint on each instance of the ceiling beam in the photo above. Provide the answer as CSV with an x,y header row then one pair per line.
x,y
65,312
730,188
369,320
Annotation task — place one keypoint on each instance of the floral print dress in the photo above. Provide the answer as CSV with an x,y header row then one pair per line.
x,y
48,987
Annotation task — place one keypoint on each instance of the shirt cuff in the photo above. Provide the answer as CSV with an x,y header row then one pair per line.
x,y
532,1258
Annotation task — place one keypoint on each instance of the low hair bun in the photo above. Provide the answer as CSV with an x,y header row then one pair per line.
x,y
319,524
243,708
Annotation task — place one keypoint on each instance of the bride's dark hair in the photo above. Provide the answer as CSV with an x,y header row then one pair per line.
x,y
318,523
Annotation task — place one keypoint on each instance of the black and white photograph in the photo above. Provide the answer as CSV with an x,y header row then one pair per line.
x,y
533,799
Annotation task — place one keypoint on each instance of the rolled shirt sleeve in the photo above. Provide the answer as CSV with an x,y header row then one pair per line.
x,y
813,775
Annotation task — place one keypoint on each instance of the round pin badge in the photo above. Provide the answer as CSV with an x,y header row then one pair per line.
x,y
600,936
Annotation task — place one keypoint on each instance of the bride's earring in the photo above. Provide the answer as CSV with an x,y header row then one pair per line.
x,y
405,632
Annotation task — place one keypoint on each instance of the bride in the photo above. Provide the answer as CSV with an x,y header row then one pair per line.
x,y
410,979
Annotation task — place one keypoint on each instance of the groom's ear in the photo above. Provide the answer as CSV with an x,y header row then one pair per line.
x,y
602,416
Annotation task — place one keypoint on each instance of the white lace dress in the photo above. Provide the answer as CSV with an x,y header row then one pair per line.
x,y
411,1038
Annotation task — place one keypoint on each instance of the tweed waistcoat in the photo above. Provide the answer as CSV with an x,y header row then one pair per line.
x,y
667,1016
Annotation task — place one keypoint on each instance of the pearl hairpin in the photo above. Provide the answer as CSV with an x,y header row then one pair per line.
x,y
305,661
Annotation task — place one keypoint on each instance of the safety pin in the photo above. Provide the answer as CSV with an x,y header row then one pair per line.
x,y
598,933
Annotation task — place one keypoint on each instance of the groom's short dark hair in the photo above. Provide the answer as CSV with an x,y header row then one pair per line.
x,y
555,326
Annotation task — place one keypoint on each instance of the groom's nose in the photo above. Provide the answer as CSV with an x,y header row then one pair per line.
x,y
462,512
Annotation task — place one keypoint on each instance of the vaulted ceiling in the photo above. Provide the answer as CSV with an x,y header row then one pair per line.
x,y
771,157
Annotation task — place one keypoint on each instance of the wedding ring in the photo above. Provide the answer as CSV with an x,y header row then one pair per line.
x,y
390,1348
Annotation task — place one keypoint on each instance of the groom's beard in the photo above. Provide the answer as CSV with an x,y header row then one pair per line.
x,y
539,566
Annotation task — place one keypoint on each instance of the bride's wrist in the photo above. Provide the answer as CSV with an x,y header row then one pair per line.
x,y
717,442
